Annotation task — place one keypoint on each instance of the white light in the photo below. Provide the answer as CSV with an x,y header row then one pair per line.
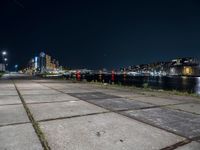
x,y
16,66
4,53
5,59
36,62
198,85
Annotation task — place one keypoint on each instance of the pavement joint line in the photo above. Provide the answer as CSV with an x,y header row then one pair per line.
x,y
34,123
81,99
144,108
161,105
75,116
28,103
38,94
176,145
130,109
167,106
134,118
151,124
92,92
8,96
181,143
182,110
10,104
13,124
33,89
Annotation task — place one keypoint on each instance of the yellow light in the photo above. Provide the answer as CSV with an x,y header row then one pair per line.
x,y
187,70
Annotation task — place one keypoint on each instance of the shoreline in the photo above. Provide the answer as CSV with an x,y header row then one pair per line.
x,y
135,88
144,91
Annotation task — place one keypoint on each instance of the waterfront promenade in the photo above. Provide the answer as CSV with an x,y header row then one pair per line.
x,y
38,114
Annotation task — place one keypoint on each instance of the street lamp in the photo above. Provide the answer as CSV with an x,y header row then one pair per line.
x,y
4,60
16,67
4,53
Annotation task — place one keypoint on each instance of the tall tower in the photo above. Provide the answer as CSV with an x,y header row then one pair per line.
x,y
42,62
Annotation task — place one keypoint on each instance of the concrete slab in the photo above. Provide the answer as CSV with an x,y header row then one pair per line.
x,y
6,86
8,92
4,100
108,131
10,114
75,90
123,94
48,98
190,146
34,88
157,100
45,111
30,85
183,98
191,107
119,104
181,123
49,81
60,85
38,92
19,137
92,95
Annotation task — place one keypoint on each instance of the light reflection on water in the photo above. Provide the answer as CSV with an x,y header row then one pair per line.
x,y
197,89
179,83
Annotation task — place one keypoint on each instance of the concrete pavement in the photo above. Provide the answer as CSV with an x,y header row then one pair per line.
x,y
61,115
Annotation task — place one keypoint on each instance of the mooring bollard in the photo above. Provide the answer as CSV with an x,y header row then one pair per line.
x,y
113,76
78,75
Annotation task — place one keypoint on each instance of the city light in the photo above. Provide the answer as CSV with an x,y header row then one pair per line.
x,y
16,66
4,53
36,62
5,59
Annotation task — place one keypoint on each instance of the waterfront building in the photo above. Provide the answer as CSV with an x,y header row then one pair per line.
x,y
47,63
177,67
185,67
42,62
2,67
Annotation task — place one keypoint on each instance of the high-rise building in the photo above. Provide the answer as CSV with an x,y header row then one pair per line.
x,y
2,67
48,62
42,62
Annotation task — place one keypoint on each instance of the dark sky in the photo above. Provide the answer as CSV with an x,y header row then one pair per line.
x,y
100,33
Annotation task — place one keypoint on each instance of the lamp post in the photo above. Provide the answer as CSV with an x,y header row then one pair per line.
x,y
16,67
4,60
4,53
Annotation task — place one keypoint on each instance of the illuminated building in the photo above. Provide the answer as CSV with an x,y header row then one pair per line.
x,y
187,70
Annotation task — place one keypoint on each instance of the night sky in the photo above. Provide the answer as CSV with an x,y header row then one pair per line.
x,y
97,34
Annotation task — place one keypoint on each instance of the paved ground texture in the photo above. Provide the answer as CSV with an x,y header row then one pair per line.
x,y
38,114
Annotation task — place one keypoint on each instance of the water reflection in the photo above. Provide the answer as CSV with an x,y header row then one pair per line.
x,y
197,89
183,84
184,81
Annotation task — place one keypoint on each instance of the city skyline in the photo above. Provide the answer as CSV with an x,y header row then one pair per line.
x,y
104,34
